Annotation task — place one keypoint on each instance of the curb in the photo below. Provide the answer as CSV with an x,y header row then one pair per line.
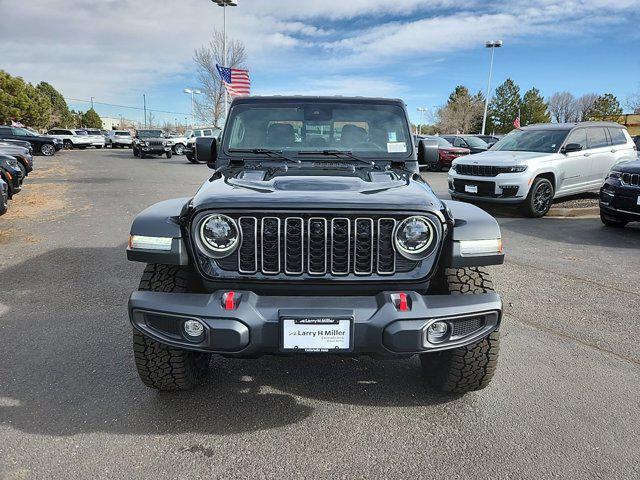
x,y
560,212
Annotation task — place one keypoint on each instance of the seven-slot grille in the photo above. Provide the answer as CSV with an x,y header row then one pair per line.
x,y
477,170
631,179
317,245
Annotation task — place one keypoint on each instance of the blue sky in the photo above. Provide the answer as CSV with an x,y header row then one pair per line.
x,y
417,50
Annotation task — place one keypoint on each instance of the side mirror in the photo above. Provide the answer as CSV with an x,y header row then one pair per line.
x,y
207,151
572,147
428,153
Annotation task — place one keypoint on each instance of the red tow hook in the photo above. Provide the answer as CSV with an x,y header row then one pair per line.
x,y
401,301
230,300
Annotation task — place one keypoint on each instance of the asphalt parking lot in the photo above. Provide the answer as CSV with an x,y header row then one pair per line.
x,y
564,402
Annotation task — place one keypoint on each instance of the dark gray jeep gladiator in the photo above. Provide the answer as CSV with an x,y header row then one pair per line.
x,y
315,235
150,142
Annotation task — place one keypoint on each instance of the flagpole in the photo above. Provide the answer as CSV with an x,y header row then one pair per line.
x,y
224,52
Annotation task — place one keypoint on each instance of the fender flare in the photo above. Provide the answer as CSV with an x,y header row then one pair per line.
x,y
161,220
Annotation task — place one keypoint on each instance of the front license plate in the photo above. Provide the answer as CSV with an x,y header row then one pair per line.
x,y
320,334
471,188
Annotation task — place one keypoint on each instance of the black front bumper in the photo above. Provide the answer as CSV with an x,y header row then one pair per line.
x,y
620,201
253,327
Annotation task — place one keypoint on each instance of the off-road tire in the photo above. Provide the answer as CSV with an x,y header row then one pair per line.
x,y
98,147
141,154
67,144
135,152
530,206
612,222
471,367
168,154
161,366
178,149
191,157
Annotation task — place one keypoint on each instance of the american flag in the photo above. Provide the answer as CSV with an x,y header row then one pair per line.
x,y
236,81
516,122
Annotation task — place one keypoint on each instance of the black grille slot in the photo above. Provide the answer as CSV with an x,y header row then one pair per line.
x,y
340,246
271,245
317,246
294,246
248,251
363,248
386,253
466,326
631,179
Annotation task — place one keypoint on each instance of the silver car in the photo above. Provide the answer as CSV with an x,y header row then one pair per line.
x,y
534,165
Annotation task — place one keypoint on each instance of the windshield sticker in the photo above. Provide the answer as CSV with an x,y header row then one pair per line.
x,y
396,147
393,137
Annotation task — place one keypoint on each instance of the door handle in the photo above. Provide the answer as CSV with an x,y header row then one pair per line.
x,y
587,154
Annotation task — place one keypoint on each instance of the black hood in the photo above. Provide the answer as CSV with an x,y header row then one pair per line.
x,y
631,167
316,188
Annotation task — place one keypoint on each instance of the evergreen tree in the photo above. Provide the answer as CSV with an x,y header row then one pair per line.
x,y
22,102
60,114
606,107
91,119
504,107
534,109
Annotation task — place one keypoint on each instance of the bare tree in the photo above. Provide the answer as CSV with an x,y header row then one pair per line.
x,y
151,119
562,107
583,106
209,108
633,102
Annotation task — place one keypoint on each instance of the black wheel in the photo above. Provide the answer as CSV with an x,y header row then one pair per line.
x,y
47,149
141,154
67,144
471,367
612,221
539,200
169,154
435,167
191,158
160,366
135,152
98,147
23,169
178,149
4,203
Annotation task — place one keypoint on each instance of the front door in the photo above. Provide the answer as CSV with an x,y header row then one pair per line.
x,y
601,156
573,169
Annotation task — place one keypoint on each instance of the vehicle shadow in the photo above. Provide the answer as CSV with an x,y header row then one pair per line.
x,y
67,363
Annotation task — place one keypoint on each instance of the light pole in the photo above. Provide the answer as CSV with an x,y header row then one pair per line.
x,y
224,4
421,110
492,44
193,92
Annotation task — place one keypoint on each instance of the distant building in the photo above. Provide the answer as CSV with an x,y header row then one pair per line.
x,y
112,123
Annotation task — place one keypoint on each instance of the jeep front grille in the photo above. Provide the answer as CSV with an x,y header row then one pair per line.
x,y
317,246
631,179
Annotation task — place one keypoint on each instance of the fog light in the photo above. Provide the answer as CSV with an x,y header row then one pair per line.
x,y
193,328
437,332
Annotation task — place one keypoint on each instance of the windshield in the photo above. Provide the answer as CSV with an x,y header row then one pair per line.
x,y
366,129
149,133
476,142
123,134
94,132
543,141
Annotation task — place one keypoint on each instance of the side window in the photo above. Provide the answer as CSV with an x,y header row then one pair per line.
x,y
597,137
578,136
197,133
458,142
617,136
207,133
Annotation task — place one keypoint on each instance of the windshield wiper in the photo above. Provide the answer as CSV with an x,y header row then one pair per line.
x,y
265,151
337,153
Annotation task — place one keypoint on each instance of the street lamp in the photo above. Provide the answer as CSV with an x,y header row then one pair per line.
x,y
224,4
492,44
192,92
421,110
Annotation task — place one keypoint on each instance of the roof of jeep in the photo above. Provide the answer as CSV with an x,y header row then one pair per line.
x,y
311,99
569,126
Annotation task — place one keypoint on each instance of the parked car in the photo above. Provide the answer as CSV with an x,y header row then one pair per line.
x,y
44,145
20,143
620,195
189,149
179,143
446,152
71,138
150,142
532,166
490,140
25,159
11,174
119,139
473,143
4,196
96,137
315,236
636,140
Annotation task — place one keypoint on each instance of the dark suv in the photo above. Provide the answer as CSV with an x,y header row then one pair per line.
x,y
620,195
315,235
46,146
150,142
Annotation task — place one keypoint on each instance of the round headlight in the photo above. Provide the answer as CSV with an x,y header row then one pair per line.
x,y
219,234
414,236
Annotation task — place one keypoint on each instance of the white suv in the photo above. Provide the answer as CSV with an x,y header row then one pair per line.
x,y
96,137
71,138
538,163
